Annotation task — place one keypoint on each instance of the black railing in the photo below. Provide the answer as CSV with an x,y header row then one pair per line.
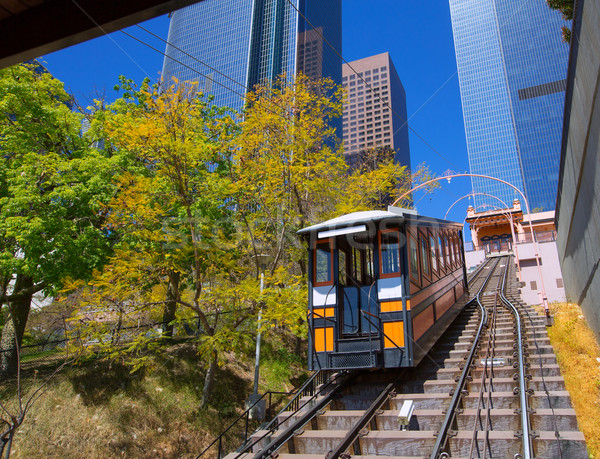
x,y
307,389
541,236
52,344
318,384
246,418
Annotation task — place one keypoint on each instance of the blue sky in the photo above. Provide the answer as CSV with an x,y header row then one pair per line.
x,y
418,36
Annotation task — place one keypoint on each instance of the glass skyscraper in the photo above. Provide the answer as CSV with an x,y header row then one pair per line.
x,y
512,68
229,46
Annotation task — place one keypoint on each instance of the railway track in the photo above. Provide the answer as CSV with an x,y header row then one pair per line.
x,y
490,388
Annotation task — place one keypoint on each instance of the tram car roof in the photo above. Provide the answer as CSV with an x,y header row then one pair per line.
x,y
365,217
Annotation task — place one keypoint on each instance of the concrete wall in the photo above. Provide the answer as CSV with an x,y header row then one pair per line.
x,y
474,258
551,273
578,203
550,266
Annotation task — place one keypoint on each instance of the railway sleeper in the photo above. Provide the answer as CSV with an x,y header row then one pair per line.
x,y
501,371
498,384
503,444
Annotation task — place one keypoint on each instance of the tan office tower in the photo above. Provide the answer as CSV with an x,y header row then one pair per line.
x,y
375,109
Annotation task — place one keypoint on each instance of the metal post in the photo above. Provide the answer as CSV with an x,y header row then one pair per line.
x,y
537,256
258,338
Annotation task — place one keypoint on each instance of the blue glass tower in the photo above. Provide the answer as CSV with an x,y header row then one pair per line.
x,y
229,46
512,68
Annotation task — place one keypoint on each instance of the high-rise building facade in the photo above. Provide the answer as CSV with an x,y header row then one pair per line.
x,y
375,108
229,46
512,68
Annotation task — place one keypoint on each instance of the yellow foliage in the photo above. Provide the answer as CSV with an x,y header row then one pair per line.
x,y
578,355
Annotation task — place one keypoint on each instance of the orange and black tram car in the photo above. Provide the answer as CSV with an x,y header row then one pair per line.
x,y
383,287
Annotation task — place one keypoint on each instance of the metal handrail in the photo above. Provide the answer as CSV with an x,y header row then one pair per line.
x,y
245,415
299,391
273,425
299,423
380,330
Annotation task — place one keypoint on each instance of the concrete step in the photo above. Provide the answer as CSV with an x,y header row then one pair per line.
x,y
420,420
507,444
320,456
350,402
501,372
555,383
338,419
398,442
316,441
265,438
507,419
458,359
539,400
504,342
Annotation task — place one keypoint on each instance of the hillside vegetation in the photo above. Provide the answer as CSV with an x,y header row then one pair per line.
x,y
578,355
101,410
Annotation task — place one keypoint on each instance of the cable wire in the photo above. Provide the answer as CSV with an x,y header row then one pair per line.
x,y
111,38
371,88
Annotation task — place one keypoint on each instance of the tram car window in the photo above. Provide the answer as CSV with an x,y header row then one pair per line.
x,y
383,287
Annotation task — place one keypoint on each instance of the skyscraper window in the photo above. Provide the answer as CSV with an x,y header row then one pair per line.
x,y
248,42
511,67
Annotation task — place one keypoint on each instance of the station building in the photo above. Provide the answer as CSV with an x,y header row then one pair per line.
x,y
507,231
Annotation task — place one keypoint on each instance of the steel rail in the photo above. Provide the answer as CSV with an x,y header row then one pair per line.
x,y
545,388
450,413
484,376
525,421
370,412
489,393
289,432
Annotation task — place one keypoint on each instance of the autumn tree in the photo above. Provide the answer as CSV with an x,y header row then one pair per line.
x,y
171,216
204,201
290,171
52,185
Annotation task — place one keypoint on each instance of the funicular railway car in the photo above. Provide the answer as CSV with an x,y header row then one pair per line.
x,y
383,287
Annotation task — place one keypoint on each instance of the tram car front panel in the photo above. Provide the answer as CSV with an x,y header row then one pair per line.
x,y
383,286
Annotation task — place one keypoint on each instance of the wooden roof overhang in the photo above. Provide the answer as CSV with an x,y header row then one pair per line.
x,y
31,28
494,218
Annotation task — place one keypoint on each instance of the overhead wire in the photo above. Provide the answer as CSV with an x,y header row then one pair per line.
x,y
370,87
111,38
191,57
243,96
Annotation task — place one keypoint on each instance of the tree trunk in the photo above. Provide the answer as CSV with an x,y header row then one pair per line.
x,y
208,381
298,346
171,303
14,328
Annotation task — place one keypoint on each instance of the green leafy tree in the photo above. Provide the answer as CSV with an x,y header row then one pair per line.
x,y
52,185
290,171
205,205
566,7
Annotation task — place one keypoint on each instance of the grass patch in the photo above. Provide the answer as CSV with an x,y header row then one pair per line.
x,y
578,355
101,410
